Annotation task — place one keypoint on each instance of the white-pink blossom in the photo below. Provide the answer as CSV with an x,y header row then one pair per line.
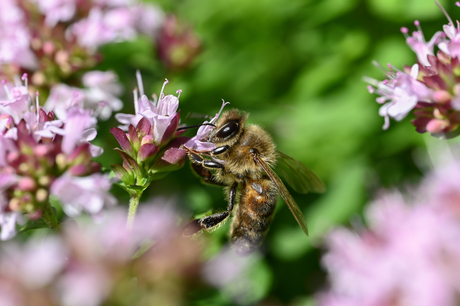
x,y
57,10
198,142
102,27
409,254
101,93
15,36
399,94
78,194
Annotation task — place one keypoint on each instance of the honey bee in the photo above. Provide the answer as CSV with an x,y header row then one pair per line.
x,y
244,157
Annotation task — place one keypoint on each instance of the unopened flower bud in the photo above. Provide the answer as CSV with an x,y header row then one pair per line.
x,y
437,114
61,161
436,126
147,139
27,184
12,156
29,208
41,195
456,89
34,215
38,78
442,96
44,180
23,167
62,57
41,150
78,170
15,204
36,43
48,47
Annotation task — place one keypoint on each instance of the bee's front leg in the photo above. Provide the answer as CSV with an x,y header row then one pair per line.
x,y
210,222
206,163
219,150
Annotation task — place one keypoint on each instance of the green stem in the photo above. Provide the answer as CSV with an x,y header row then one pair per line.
x,y
133,203
49,217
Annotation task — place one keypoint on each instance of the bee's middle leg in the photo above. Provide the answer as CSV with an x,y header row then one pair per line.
x,y
209,222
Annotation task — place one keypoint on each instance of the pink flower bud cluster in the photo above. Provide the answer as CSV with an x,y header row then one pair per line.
x,y
41,155
408,255
177,43
429,89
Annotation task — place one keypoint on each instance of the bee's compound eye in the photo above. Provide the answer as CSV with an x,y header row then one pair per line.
x,y
227,130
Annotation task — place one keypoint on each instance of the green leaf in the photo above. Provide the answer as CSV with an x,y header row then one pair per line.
x,y
33,224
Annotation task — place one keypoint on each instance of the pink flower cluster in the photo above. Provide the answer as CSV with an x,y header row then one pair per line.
x,y
103,264
152,143
89,23
99,95
410,253
15,36
430,88
41,155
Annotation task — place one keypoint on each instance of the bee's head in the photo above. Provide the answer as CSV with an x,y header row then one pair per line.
x,y
228,128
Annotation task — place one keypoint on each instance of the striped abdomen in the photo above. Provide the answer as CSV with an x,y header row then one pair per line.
x,y
253,215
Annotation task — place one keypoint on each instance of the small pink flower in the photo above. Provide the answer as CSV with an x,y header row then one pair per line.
x,y
57,10
15,36
420,46
102,27
79,194
408,254
198,142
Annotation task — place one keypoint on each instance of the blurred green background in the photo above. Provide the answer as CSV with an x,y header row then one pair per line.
x,y
296,66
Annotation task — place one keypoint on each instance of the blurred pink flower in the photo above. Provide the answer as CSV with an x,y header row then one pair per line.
x,y
100,95
226,268
102,27
15,36
57,10
64,97
77,121
15,101
149,19
89,193
84,284
410,253
36,263
39,154
102,90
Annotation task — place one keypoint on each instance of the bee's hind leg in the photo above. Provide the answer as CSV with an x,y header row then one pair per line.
x,y
209,222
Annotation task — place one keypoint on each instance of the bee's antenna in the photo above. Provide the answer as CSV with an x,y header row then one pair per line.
x,y
194,126
197,115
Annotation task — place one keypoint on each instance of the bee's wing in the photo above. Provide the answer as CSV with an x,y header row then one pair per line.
x,y
299,177
284,193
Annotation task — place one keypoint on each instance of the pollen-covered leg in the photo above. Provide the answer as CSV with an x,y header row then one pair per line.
x,y
212,222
